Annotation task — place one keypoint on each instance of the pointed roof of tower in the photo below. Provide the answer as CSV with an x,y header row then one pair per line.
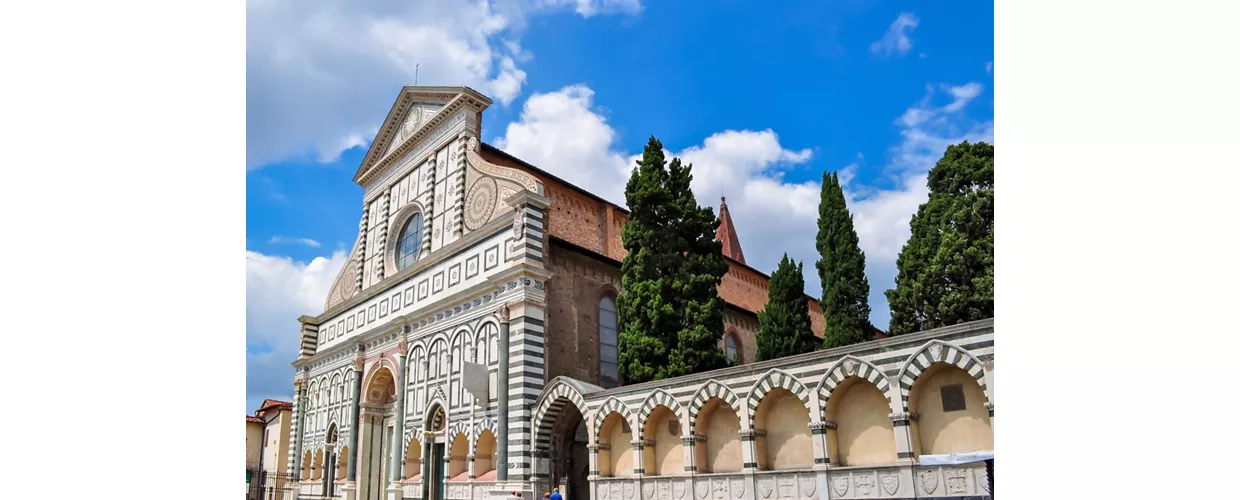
x,y
726,233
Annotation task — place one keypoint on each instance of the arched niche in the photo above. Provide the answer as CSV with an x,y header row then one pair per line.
x,y
717,430
615,439
862,432
664,453
951,412
782,435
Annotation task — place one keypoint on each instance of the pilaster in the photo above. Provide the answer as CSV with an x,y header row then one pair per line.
x,y
528,233
458,185
309,336
360,258
299,414
901,424
690,446
381,242
818,434
428,216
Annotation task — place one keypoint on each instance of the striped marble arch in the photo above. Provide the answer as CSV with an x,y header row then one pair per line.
x,y
776,378
937,351
656,399
850,366
612,404
712,389
550,406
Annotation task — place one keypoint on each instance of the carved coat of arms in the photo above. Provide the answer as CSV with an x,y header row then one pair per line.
x,y
890,483
928,479
840,484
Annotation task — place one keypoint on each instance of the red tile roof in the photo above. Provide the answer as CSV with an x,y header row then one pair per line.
x,y
256,420
269,404
726,234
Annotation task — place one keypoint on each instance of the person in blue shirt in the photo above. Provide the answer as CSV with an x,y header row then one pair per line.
x,y
555,494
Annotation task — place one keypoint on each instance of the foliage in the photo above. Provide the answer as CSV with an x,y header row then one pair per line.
x,y
841,267
946,270
670,313
785,327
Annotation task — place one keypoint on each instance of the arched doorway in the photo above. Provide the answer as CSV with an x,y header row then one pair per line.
x,y
561,438
569,464
329,465
433,429
378,427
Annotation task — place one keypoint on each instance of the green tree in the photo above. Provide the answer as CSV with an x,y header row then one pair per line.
x,y
841,267
785,328
947,268
670,313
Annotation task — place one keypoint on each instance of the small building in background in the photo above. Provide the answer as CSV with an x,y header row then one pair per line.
x,y
266,454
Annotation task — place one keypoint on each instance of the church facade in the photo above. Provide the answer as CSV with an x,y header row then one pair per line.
x,y
465,253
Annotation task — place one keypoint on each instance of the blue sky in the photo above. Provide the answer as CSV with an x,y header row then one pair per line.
x,y
761,97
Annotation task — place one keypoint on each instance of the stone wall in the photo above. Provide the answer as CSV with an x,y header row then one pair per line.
x,y
912,376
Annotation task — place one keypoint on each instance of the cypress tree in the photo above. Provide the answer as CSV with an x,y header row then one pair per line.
x,y
841,267
946,270
670,313
784,322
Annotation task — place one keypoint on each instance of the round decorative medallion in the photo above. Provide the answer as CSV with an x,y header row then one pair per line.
x,y
480,203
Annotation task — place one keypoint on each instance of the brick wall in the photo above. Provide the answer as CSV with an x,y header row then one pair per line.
x,y
581,279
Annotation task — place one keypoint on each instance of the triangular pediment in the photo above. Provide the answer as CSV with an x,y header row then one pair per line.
x,y
419,113
415,108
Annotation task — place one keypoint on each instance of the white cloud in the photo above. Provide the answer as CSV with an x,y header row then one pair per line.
x,y
278,291
962,95
300,241
990,66
563,132
896,39
319,73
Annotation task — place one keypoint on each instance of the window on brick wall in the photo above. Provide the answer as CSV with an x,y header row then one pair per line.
x,y
732,350
608,356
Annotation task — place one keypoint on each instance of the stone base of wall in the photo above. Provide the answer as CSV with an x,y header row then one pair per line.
x,y
879,482
968,481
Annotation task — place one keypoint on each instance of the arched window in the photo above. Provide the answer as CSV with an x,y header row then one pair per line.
x,y
608,356
731,349
410,242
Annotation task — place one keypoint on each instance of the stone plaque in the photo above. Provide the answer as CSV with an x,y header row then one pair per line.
x,y
953,397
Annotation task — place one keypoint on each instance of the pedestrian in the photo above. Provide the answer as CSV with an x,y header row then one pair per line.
x,y
555,494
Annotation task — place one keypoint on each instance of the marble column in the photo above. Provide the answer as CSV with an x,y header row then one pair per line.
x,y
299,417
501,441
355,430
402,390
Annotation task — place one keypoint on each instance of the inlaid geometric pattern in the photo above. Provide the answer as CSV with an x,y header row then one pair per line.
x,y
937,351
